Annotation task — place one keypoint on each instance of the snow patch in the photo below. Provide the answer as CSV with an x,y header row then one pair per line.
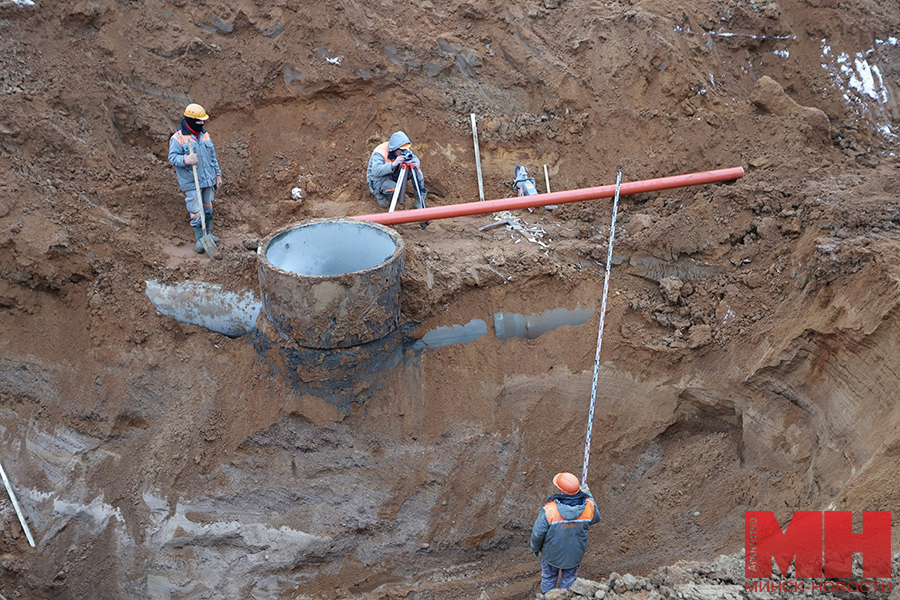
x,y
863,77
726,34
886,131
861,83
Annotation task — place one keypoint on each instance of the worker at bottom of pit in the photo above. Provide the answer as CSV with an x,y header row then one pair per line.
x,y
560,531
385,168
192,146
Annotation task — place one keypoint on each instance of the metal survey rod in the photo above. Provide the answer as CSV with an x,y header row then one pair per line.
x,y
477,159
590,425
593,193
15,503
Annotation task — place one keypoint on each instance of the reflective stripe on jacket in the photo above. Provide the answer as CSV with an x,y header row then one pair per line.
x,y
379,169
552,513
560,531
207,167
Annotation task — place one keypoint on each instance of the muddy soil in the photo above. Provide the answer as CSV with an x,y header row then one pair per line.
x,y
750,356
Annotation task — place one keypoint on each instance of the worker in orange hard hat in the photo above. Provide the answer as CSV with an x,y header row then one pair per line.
x,y
560,531
191,147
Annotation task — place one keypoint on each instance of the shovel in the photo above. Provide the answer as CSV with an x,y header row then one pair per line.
x,y
207,241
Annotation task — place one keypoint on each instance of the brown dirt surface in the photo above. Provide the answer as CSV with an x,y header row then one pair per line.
x,y
750,356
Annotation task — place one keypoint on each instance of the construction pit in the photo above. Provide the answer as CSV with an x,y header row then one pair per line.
x,y
167,439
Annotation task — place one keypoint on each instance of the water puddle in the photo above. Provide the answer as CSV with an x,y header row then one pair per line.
x,y
206,305
510,325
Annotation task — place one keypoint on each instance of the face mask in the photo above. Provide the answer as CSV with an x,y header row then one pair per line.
x,y
195,125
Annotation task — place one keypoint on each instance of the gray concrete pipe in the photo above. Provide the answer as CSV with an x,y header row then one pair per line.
x,y
331,283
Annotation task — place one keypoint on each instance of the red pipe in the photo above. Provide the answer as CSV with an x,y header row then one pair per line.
x,y
594,193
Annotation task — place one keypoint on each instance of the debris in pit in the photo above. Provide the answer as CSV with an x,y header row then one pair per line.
x,y
514,223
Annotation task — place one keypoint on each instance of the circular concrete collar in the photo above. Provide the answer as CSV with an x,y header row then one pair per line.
x,y
331,283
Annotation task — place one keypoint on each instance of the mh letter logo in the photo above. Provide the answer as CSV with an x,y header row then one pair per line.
x,y
818,549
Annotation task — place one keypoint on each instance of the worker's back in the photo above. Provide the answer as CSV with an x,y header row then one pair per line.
x,y
561,528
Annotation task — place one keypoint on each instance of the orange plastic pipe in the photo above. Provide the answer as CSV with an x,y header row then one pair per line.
x,y
603,191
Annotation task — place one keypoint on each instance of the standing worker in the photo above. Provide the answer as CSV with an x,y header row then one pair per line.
x,y
190,146
560,531
384,168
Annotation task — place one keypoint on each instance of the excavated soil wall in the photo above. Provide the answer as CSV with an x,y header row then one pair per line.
x,y
750,354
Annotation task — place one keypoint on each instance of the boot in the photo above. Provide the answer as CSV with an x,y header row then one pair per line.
x,y
209,219
198,233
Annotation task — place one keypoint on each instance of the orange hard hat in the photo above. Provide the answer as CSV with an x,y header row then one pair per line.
x,y
567,483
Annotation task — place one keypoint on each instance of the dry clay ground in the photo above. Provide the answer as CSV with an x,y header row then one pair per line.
x,y
750,356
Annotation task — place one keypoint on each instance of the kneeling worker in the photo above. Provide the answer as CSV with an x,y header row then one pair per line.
x,y
560,532
385,168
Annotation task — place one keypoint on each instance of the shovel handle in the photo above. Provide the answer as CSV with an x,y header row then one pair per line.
x,y
197,187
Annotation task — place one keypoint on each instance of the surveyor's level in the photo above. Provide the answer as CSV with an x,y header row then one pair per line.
x,y
603,191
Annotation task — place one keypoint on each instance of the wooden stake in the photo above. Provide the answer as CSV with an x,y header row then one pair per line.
x,y
477,159
546,179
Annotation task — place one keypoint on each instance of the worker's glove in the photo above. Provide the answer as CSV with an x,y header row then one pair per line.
x,y
218,180
535,554
585,488
398,161
191,159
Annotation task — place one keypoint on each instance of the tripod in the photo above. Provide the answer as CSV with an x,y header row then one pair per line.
x,y
406,173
